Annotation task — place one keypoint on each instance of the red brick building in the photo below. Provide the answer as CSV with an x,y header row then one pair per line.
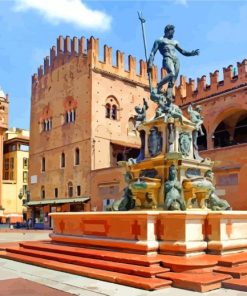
x,y
225,126
82,123
82,113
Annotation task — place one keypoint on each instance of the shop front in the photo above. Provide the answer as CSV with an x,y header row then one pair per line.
x,y
40,209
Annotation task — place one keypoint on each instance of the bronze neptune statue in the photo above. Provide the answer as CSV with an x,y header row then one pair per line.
x,y
167,47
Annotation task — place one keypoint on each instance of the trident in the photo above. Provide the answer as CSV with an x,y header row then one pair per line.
x,y
142,20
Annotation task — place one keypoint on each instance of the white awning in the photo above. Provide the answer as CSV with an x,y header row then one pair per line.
x,y
57,201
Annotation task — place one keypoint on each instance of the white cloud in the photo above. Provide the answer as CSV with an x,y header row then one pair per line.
x,y
69,11
182,2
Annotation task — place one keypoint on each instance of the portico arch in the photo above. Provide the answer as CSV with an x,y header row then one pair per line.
x,y
231,128
240,133
230,110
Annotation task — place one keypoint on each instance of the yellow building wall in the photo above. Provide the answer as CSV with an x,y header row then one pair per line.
x,y
11,189
11,203
20,155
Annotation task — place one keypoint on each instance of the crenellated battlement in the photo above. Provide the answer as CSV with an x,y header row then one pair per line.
x,y
232,77
67,49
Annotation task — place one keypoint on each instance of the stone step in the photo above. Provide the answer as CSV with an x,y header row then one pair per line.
x,y
199,282
233,260
235,271
122,257
143,271
109,276
181,263
236,284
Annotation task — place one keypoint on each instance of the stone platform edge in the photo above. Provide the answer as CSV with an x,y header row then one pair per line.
x,y
183,233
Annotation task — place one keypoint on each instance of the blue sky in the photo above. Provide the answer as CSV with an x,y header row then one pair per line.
x,y
30,27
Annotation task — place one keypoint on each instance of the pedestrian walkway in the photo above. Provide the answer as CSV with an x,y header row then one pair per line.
x,y
11,237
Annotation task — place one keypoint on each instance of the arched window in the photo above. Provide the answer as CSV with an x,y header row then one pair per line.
x,y
43,164
62,160
46,125
107,110
46,119
70,116
111,108
42,192
70,189
232,130
77,156
70,106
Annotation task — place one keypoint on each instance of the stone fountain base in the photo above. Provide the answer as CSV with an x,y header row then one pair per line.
x,y
150,232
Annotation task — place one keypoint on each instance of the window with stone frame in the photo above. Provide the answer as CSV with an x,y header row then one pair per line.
x,y
46,125
25,163
62,160
112,108
12,148
70,189
23,147
78,190
42,192
11,163
70,116
70,107
77,156
6,164
25,176
24,189
43,164
56,192
46,119
229,179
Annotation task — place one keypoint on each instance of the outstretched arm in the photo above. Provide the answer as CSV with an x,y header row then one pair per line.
x,y
187,53
152,54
